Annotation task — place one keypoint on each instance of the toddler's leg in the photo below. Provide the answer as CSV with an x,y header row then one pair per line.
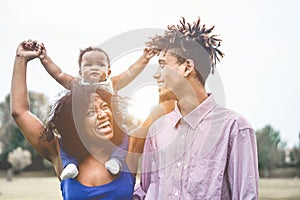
x,y
69,165
115,164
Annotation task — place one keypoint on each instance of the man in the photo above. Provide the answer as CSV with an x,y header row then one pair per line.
x,y
200,150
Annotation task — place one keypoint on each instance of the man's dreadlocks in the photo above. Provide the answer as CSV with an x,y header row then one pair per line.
x,y
189,41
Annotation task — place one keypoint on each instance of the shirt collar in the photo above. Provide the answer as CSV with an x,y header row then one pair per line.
x,y
196,115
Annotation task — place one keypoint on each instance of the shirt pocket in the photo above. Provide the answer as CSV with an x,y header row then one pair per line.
x,y
205,179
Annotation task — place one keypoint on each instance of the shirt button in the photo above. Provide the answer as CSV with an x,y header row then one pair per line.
x,y
179,164
176,193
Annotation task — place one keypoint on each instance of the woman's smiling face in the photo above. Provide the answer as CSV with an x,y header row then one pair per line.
x,y
98,119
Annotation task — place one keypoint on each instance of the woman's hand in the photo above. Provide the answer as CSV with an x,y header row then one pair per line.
x,y
28,50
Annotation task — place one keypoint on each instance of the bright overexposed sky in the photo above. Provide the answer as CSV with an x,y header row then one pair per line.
x,y
261,42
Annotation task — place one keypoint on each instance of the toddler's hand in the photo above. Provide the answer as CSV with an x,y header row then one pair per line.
x,y
149,53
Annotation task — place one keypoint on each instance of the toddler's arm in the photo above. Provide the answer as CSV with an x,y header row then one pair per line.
x,y
55,71
126,77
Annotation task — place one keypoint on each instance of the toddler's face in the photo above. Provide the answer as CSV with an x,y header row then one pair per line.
x,y
94,67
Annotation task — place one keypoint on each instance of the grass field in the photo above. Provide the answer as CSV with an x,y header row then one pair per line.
x,y
286,189
26,187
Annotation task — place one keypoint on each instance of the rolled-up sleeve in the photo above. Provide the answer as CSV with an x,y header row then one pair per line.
x,y
243,165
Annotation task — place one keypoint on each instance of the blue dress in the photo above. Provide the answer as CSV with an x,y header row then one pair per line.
x,y
120,188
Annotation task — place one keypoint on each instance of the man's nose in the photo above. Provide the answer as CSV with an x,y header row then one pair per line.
x,y
156,75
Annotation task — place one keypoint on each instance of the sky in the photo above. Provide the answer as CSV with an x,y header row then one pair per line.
x,y
258,74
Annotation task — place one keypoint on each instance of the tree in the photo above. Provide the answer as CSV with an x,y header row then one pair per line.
x,y
19,159
295,154
10,135
270,150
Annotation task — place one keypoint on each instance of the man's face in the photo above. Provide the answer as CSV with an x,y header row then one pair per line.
x,y
169,75
94,67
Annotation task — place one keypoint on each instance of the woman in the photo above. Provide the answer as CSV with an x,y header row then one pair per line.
x,y
96,129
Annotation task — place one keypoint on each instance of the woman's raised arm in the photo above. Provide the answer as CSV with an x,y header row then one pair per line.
x,y
28,123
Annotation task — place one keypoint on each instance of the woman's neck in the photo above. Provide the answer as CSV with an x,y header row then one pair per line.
x,y
92,171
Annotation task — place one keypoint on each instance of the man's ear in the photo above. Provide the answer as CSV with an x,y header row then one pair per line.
x,y
189,67
108,72
80,73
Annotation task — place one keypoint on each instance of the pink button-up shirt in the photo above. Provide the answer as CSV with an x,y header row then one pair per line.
x,y
209,154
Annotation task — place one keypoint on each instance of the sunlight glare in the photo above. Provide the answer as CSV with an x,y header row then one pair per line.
x,y
144,99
